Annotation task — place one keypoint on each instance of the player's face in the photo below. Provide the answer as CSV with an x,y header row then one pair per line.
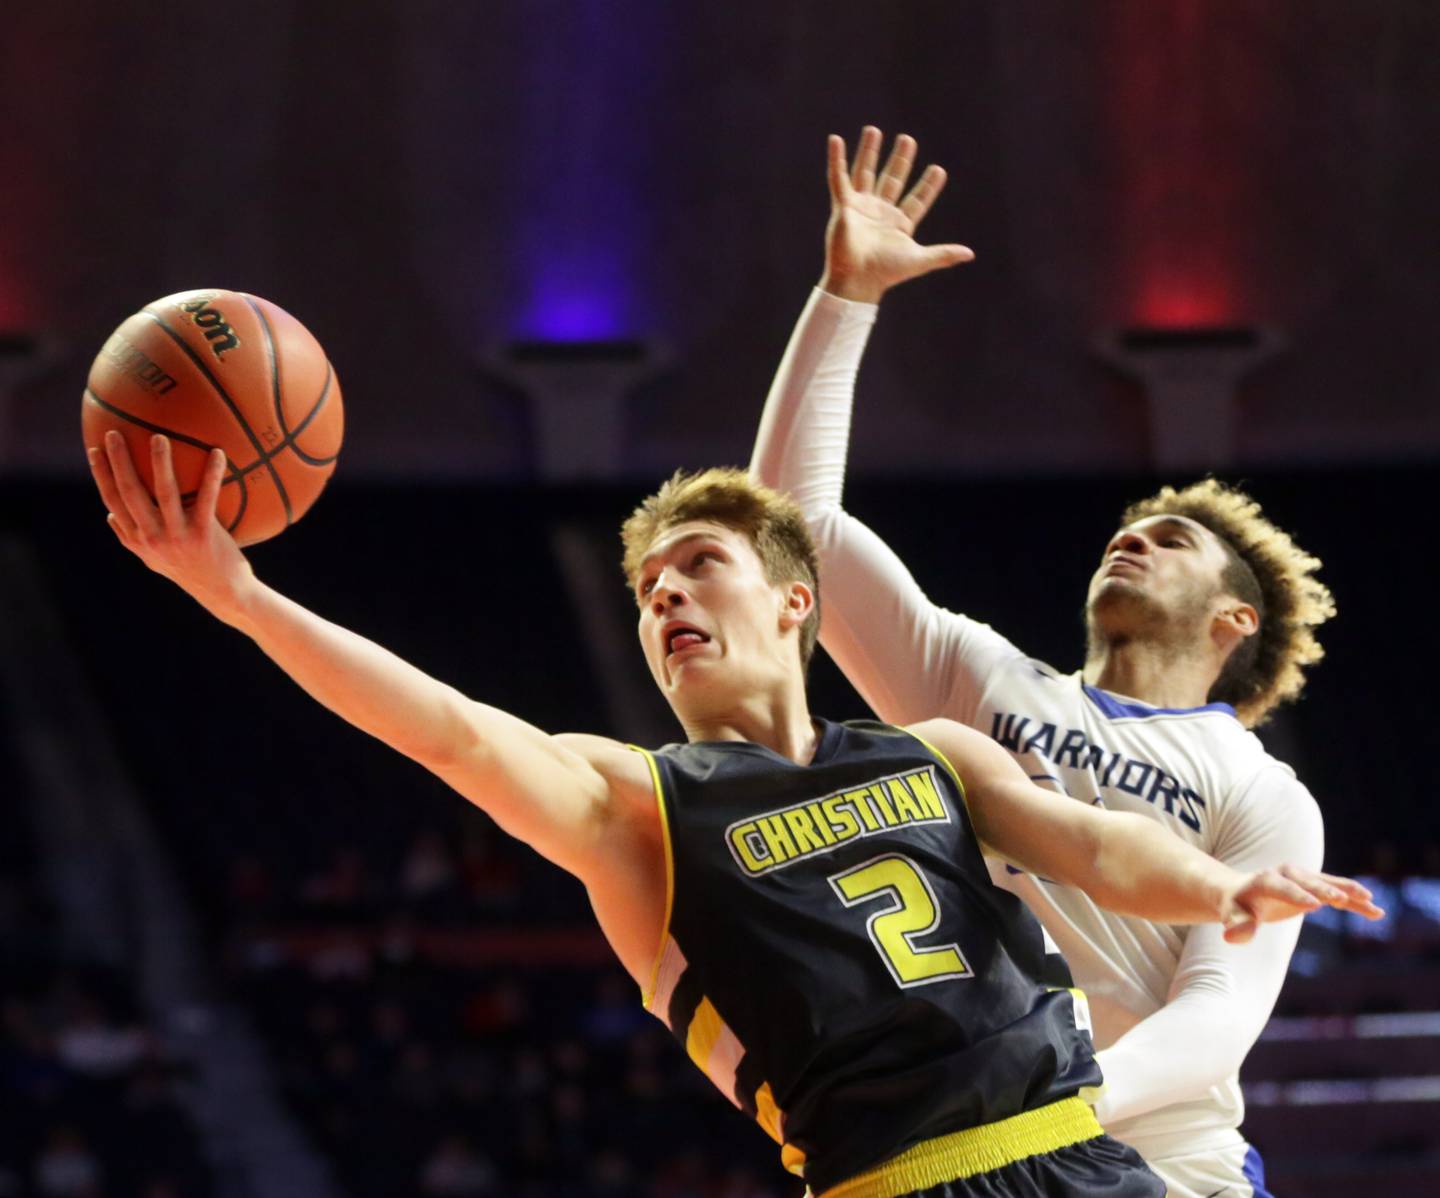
x,y
711,623
1160,572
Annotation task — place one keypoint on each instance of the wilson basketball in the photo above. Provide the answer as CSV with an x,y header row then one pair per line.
x,y
221,368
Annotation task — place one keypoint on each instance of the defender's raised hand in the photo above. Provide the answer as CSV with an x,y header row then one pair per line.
x,y
870,241
187,545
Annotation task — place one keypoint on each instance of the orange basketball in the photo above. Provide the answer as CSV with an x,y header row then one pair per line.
x,y
221,368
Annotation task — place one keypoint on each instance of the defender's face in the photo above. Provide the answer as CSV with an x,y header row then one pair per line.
x,y
1162,567
709,618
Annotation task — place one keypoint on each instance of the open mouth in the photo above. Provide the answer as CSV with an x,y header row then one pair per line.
x,y
681,637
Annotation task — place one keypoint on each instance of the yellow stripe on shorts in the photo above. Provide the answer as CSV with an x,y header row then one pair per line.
x,y
975,1150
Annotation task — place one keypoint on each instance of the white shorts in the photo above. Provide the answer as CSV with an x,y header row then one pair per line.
x,y
1233,1171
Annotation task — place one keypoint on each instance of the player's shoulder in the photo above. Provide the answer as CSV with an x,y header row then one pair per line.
x,y
589,744
980,646
1275,785
936,728
954,742
618,763
1010,679
1271,816
1255,773
1237,766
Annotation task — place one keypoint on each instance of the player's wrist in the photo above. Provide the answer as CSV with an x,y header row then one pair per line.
x,y
1227,888
237,600
856,288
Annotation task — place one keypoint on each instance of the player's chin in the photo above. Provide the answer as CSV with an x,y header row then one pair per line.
x,y
1111,590
680,675
1116,607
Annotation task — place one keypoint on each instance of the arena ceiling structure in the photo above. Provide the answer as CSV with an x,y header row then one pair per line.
x,y
428,184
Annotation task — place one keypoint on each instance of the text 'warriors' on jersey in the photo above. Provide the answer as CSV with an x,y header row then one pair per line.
x,y
837,960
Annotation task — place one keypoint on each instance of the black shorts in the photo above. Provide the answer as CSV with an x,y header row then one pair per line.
x,y
1056,1151
1098,1168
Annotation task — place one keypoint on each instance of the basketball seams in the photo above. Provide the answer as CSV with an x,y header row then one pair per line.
x,y
229,403
274,363
291,437
294,437
97,398
273,358
236,475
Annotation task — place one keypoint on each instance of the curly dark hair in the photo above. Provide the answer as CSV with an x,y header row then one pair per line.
x,y
1267,570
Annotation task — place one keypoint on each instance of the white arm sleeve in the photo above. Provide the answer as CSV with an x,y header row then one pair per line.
x,y
1221,994
909,659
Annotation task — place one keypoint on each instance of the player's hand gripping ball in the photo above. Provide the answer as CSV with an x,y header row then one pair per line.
x,y
221,368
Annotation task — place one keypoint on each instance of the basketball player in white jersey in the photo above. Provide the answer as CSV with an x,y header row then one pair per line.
x,y
1199,619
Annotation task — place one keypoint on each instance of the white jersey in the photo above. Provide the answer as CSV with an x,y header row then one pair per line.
x,y
1175,1009
1197,771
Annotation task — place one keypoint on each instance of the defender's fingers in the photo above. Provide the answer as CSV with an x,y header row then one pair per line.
x,y
867,154
837,168
926,191
105,482
1352,896
1349,885
144,521
210,483
1283,889
1332,888
167,490
897,168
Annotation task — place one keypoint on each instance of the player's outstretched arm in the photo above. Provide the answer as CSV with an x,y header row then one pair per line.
x,y
870,246
915,659
1125,862
546,790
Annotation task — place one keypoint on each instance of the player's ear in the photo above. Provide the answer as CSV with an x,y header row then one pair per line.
x,y
797,602
1238,619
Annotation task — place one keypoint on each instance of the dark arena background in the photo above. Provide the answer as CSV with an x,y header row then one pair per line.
x,y
554,250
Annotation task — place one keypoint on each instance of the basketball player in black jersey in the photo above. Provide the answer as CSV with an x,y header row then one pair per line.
x,y
804,903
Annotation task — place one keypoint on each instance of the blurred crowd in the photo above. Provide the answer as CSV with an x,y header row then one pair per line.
x,y
91,1102
444,1019
449,1023
1406,883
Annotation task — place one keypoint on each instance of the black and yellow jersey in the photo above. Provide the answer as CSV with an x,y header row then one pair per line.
x,y
836,959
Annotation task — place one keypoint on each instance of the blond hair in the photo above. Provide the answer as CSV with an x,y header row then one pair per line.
x,y
1272,573
728,496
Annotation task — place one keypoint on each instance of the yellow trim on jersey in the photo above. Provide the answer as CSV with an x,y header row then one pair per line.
x,y
772,1119
767,1114
649,994
793,1159
975,1150
1081,1001
1083,1022
705,1028
945,761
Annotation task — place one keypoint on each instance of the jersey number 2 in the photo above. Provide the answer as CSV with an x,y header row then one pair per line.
x,y
910,912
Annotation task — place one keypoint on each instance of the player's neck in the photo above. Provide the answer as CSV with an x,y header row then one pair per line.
x,y
1157,674
779,720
